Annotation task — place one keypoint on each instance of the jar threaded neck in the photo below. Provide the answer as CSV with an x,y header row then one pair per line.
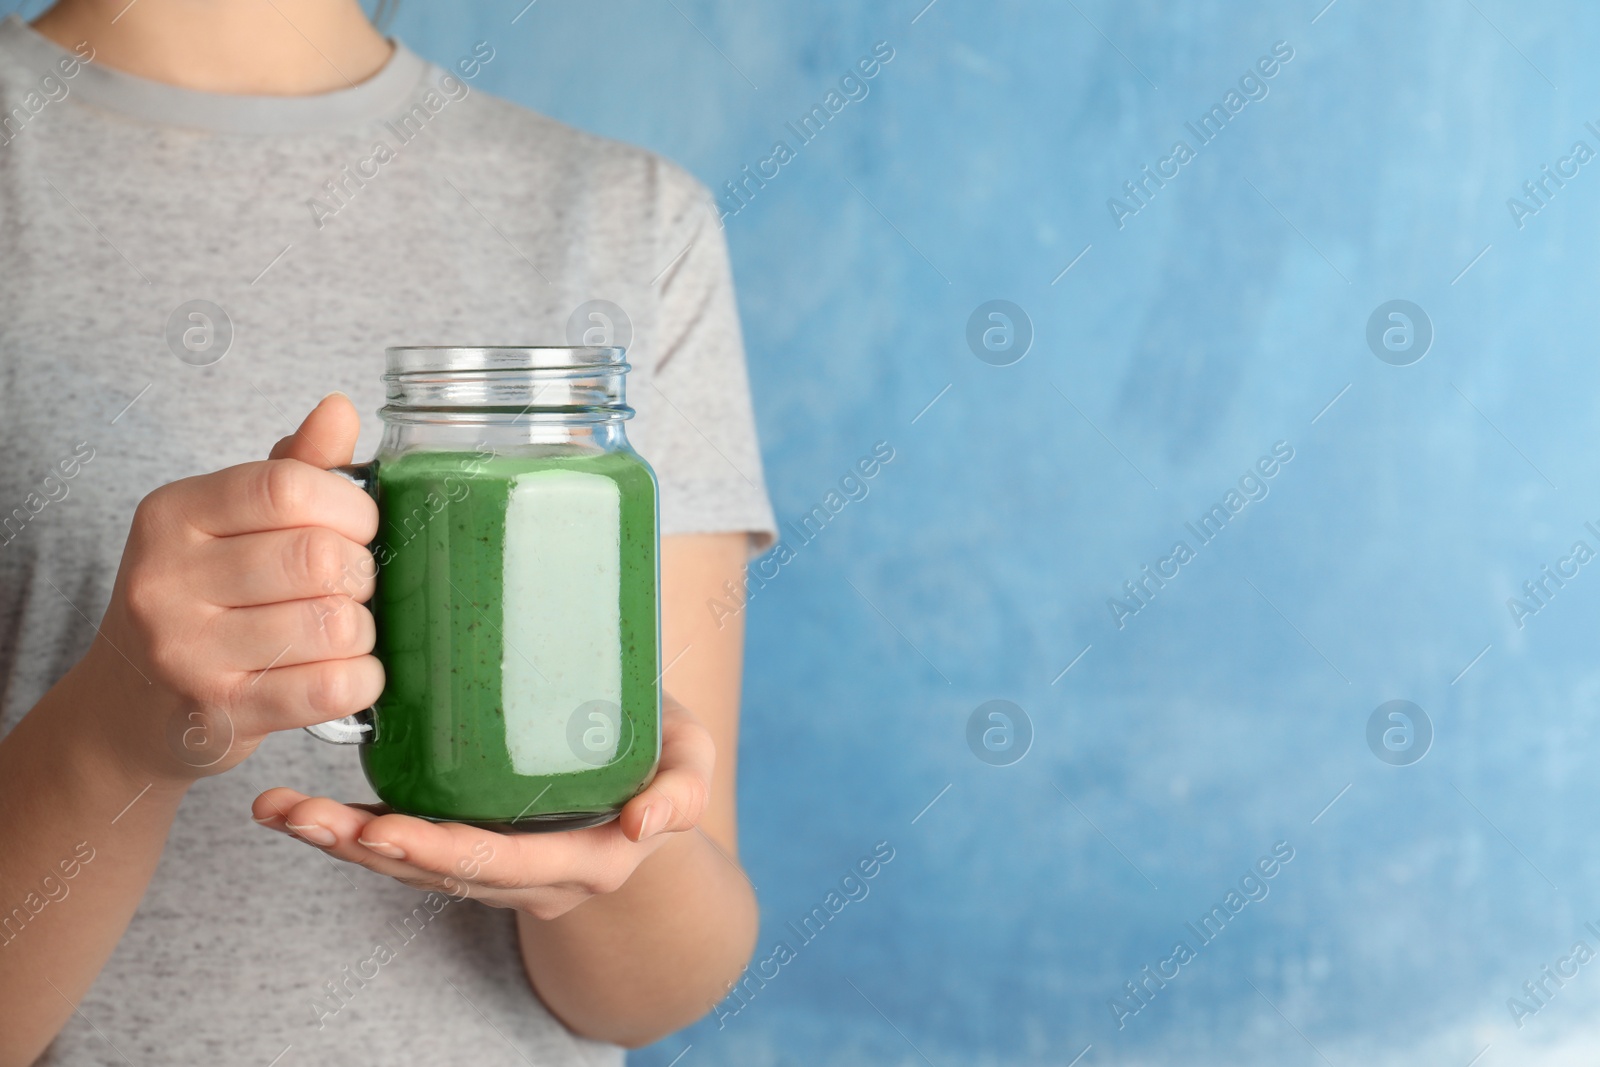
x,y
532,383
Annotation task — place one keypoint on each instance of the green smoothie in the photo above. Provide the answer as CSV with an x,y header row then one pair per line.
x,y
517,621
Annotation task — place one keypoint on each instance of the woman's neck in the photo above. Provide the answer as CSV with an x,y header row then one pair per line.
x,y
257,47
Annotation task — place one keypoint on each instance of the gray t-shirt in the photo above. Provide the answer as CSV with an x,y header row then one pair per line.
x,y
411,209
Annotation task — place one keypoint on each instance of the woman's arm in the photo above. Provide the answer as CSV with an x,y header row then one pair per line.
x,y
631,929
80,835
222,575
634,965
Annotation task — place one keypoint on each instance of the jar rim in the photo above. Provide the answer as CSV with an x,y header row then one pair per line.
x,y
436,359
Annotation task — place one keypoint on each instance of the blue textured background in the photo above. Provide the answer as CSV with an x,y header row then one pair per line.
x,y
1223,318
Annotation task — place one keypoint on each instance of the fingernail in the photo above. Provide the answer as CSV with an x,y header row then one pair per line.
x,y
317,835
383,848
645,829
268,821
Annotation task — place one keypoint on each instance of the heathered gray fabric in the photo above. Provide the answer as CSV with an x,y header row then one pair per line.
x,y
121,200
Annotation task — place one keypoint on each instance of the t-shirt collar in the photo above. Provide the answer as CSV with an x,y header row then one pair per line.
x,y
379,97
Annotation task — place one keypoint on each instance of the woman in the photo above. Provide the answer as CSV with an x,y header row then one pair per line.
x,y
211,215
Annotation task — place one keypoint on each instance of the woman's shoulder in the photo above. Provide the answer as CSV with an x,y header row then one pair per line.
x,y
498,133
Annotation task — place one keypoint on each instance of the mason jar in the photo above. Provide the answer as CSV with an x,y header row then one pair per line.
x,y
516,592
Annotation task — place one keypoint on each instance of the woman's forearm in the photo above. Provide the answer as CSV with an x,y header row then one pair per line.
x,y
637,964
80,836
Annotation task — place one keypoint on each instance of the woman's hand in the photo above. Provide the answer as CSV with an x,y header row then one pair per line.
x,y
544,875
237,609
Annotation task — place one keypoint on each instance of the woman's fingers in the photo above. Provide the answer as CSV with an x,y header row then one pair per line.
x,y
296,631
450,857
676,799
595,860
543,874
276,494
327,435
280,565
337,829
272,808
287,698
329,825
472,855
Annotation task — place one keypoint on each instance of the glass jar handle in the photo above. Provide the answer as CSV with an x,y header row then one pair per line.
x,y
352,729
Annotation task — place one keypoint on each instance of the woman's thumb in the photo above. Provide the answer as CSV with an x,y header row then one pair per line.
x,y
327,437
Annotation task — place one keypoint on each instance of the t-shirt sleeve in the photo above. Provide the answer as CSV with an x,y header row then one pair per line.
x,y
703,442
